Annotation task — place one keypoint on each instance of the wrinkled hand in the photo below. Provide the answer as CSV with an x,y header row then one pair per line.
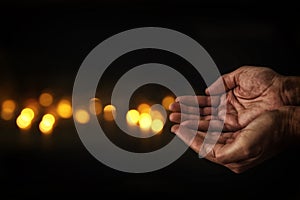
x,y
250,91
240,150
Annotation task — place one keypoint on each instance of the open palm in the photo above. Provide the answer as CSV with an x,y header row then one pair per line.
x,y
250,91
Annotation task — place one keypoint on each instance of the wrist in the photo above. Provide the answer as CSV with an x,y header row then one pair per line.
x,y
290,90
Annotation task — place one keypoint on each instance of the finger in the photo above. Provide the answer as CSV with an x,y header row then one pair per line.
x,y
201,101
177,107
223,84
232,152
180,117
206,125
188,136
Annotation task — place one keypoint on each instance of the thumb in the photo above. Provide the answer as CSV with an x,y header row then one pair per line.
x,y
223,84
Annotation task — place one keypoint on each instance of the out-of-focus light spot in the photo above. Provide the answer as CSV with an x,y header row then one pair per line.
x,y
155,114
108,112
27,113
82,116
49,118
145,121
33,105
95,106
64,108
167,101
8,109
143,108
132,117
47,123
157,125
46,99
24,120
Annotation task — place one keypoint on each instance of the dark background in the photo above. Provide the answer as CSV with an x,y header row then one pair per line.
x,y
42,44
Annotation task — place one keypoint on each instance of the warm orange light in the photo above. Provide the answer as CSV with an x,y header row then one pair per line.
x,y
143,108
82,116
64,108
167,101
155,114
46,99
157,125
47,123
145,121
108,112
33,105
28,113
8,109
24,120
95,106
132,117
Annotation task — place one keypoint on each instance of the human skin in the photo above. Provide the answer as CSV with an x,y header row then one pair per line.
x,y
262,117
263,138
250,91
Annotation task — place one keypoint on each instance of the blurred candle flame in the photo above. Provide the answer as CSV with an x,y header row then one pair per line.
x,y
47,123
24,120
108,112
132,117
95,106
46,99
82,116
64,108
167,101
145,121
8,109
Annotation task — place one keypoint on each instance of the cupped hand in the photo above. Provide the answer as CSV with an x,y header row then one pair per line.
x,y
241,150
249,91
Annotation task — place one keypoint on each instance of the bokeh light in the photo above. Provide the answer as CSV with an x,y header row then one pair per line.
x,y
33,105
64,108
143,108
25,118
46,99
132,117
167,101
82,116
95,106
108,112
157,125
8,109
145,121
47,123
28,113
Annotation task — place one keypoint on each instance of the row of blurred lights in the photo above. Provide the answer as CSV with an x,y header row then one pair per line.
x,y
48,114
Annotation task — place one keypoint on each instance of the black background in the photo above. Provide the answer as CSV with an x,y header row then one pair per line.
x,y
42,44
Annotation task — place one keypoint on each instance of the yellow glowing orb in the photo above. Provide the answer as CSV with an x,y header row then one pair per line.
x,y
49,118
143,108
167,101
82,116
47,123
8,109
33,105
109,111
46,99
132,117
64,108
95,106
27,113
157,125
23,121
145,121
